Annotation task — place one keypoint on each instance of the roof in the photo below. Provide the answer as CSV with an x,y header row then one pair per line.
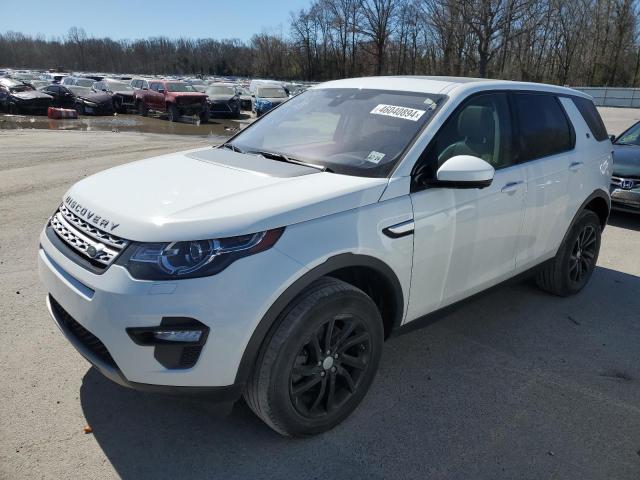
x,y
442,85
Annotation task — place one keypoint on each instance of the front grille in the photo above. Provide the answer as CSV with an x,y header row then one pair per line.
x,y
98,246
83,335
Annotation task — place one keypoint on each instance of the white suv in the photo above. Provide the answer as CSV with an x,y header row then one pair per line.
x,y
275,265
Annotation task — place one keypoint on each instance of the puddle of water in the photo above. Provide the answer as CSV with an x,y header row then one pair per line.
x,y
216,127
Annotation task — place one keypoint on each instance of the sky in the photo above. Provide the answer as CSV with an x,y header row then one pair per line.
x,y
122,19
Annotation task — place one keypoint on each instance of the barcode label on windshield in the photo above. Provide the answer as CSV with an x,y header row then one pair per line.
x,y
398,112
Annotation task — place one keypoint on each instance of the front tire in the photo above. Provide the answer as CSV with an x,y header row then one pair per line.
x,y
319,363
143,111
570,270
173,112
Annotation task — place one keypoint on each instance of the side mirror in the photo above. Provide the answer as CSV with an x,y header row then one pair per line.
x,y
161,90
612,138
145,88
465,171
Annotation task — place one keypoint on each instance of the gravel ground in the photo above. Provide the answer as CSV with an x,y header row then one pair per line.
x,y
516,384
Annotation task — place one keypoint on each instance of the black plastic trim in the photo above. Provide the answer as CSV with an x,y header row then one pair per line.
x,y
226,394
430,318
596,194
387,231
338,262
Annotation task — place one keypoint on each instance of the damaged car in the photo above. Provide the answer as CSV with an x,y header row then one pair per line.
x,y
18,97
83,99
268,97
223,99
121,93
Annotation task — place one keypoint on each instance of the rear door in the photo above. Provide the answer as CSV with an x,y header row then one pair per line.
x,y
546,142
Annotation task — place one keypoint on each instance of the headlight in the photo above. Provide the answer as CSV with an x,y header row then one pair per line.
x,y
91,104
193,259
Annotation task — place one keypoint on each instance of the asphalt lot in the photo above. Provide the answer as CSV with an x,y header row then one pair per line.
x,y
515,384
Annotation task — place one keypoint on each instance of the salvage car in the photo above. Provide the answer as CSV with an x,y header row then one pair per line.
x,y
83,99
625,181
18,97
267,97
223,99
245,98
275,265
121,93
77,81
172,97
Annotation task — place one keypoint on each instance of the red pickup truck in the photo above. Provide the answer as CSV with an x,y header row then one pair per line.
x,y
173,97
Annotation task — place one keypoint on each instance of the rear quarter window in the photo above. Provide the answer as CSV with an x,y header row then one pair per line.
x,y
591,117
543,126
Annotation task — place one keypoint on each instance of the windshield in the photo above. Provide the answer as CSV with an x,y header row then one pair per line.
x,y
221,90
630,137
118,86
272,92
179,87
84,82
77,90
350,131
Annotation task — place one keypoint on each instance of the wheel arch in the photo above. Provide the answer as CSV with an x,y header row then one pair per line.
x,y
370,274
599,203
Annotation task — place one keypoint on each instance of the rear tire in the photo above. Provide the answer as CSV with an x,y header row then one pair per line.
x,y
320,361
570,270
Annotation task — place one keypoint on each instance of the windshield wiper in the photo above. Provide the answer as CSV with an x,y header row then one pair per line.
x,y
230,147
280,157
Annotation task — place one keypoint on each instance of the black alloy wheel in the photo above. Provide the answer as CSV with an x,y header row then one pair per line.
x,y
583,254
330,366
319,361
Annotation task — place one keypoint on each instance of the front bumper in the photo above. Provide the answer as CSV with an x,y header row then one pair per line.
x,y
627,200
190,109
104,305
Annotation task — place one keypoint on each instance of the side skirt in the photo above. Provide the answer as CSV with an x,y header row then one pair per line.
x,y
430,318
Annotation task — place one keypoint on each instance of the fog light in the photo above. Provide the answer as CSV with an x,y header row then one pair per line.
x,y
188,336
172,331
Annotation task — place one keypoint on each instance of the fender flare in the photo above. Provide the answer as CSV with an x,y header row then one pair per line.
x,y
270,319
599,193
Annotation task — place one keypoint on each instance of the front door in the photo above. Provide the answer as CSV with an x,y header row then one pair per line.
x,y
465,240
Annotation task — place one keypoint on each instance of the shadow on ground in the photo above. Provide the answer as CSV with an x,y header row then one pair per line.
x,y
514,384
630,221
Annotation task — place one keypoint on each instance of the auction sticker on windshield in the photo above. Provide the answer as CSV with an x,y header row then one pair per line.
x,y
405,113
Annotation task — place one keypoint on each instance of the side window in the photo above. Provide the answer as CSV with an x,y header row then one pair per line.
x,y
591,117
543,125
154,87
481,127
144,84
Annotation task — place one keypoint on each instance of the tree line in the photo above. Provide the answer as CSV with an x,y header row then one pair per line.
x,y
567,42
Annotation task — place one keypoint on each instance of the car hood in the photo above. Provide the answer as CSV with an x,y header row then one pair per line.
x,y
626,161
124,93
30,95
95,97
187,94
213,193
221,98
274,100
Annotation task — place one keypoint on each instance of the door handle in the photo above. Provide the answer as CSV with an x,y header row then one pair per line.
x,y
575,166
511,187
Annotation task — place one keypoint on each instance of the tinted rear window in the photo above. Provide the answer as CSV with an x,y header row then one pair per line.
x,y
591,117
544,127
